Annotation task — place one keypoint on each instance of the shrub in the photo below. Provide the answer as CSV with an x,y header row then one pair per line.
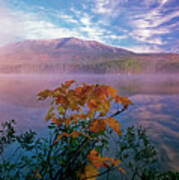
x,y
81,122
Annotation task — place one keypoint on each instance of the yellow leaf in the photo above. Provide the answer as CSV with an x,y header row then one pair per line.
x,y
61,110
105,108
90,114
44,94
114,124
125,101
90,173
50,114
38,175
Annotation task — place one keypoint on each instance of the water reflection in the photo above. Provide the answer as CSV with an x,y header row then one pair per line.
x,y
156,99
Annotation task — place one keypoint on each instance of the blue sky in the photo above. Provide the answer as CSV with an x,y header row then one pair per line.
x,y
138,25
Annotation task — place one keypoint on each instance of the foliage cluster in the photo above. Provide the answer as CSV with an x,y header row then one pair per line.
x,y
81,124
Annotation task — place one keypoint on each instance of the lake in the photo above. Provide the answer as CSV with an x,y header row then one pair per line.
x,y
155,98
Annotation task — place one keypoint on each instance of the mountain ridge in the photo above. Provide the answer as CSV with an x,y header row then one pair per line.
x,y
77,55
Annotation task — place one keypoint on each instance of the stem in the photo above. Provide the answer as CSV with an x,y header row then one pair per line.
x,y
135,173
119,111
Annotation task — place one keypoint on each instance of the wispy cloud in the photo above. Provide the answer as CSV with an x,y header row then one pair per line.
x,y
148,25
11,26
145,49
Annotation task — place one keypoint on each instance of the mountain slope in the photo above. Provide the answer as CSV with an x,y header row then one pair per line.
x,y
63,50
76,55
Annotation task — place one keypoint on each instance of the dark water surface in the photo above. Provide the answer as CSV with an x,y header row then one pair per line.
x,y
156,105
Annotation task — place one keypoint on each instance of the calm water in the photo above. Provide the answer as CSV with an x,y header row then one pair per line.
x,y
156,103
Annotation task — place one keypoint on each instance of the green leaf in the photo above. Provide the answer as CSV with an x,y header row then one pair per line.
x,y
61,110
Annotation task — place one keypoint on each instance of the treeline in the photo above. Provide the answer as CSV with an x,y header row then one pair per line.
x,y
133,66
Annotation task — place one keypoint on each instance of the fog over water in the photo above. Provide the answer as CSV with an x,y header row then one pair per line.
x,y
155,98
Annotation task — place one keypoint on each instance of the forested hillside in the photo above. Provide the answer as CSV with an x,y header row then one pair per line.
x,y
72,55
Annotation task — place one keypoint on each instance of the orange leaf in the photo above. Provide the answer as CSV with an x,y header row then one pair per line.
x,y
75,134
125,101
68,121
95,158
75,118
58,121
92,104
61,136
112,91
122,170
97,125
118,99
62,100
114,124
68,83
110,161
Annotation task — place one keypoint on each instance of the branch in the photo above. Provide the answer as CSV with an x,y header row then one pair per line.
x,y
119,111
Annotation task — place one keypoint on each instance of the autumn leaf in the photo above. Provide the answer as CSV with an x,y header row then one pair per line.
x,y
57,121
61,110
90,173
68,83
122,170
97,125
61,136
105,108
75,117
38,175
112,91
114,124
117,99
68,121
50,114
98,161
75,134
108,162
92,104
95,158
62,100
125,101
43,94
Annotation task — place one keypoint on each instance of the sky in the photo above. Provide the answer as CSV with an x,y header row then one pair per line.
x,y
137,25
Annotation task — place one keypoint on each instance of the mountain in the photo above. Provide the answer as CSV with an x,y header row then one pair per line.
x,y
74,55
